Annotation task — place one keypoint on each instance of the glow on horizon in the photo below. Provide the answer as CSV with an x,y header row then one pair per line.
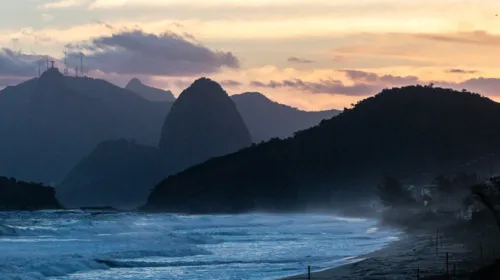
x,y
386,37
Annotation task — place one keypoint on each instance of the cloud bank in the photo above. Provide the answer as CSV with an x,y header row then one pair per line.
x,y
139,53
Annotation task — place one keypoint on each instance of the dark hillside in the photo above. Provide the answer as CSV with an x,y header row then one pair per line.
x,y
401,131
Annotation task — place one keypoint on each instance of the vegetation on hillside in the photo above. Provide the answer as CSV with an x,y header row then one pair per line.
x,y
401,131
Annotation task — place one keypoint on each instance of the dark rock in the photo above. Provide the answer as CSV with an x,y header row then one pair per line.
x,y
17,195
203,123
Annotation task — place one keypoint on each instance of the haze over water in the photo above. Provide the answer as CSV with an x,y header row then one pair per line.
x,y
79,245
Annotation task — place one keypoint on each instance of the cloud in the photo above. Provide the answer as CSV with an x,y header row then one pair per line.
x,y
140,53
230,83
373,78
479,37
16,64
326,86
62,4
461,71
11,81
482,85
16,67
47,17
300,60
363,83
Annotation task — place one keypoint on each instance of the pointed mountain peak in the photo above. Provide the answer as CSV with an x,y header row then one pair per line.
x,y
149,93
134,81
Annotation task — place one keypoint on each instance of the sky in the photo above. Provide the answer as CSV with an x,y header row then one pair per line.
x,y
314,54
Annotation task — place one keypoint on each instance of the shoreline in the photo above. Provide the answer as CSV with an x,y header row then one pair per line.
x,y
414,254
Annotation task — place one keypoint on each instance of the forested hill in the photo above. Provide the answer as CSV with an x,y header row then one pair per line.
x,y
18,195
400,131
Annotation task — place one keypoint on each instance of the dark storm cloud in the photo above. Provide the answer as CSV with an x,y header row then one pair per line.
x,y
139,53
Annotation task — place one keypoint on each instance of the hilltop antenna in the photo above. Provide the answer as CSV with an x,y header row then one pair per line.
x,y
39,62
81,64
65,63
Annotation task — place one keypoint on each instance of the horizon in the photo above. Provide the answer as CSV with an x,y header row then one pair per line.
x,y
313,56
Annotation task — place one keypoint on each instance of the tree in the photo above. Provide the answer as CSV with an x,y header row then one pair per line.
x,y
489,195
393,194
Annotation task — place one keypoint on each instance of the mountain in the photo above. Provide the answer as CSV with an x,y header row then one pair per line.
x,y
202,123
402,132
149,93
50,123
116,173
17,195
267,119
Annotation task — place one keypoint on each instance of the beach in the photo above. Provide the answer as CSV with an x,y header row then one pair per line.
x,y
415,254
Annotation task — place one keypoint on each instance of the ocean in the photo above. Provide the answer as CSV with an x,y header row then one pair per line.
x,y
59,245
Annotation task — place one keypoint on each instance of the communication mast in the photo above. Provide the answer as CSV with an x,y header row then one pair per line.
x,y
81,65
65,64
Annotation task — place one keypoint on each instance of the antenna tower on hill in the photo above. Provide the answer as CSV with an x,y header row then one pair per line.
x,y
65,64
82,73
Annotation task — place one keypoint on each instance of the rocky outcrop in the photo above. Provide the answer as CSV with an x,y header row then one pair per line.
x,y
203,123
17,195
149,93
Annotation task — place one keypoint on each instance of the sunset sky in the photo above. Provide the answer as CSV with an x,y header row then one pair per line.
x,y
314,54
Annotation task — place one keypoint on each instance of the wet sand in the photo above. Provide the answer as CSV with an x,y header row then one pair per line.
x,y
414,253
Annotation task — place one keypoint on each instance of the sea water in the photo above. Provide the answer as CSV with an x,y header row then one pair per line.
x,y
60,245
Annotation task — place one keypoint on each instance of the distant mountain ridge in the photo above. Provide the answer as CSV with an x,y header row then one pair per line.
x,y
203,123
65,131
50,123
149,93
267,119
401,132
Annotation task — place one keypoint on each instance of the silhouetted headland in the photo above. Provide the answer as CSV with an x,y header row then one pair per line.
x,y
18,195
401,131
